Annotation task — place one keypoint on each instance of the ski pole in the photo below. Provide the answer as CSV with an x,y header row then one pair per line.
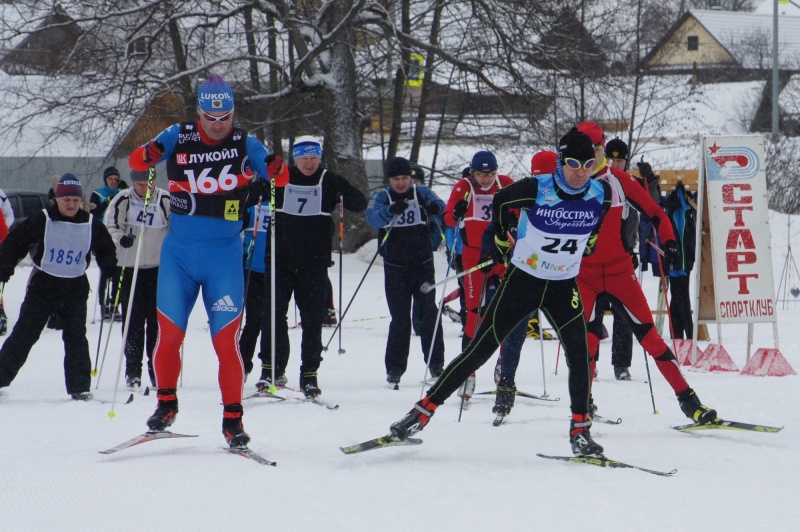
x,y
427,287
558,356
439,311
126,326
99,341
96,304
363,277
541,346
272,389
341,257
250,259
481,301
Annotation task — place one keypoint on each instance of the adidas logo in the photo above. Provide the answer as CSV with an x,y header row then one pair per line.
x,y
225,304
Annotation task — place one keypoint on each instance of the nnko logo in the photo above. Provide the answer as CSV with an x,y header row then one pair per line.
x,y
225,304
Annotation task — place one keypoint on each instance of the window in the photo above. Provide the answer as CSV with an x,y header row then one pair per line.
x,y
693,43
139,48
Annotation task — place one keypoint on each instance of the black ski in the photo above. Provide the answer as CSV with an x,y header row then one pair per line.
x,y
265,395
608,421
602,461
724,424
247,452
523,394
384,441
146,437
319,402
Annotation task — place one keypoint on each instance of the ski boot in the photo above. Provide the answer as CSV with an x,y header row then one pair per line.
x,y
308,384
393,378
232,427
693,409
329,319
504,401
621,373
580,438
467,390
415,420
165,412
133,383
81,396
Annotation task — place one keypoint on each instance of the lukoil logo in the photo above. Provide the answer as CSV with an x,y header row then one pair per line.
x,y
224,304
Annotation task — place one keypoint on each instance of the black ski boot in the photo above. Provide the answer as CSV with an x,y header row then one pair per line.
x,y
415,420
579,437
694,409
232,427
504,401
165,412
308,384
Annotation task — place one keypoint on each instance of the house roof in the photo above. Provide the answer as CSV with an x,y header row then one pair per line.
x,y
746,36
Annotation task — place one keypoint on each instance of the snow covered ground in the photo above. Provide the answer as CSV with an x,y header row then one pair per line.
x,y
467,475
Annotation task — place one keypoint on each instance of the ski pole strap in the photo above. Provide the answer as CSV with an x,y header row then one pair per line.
x,y
427,287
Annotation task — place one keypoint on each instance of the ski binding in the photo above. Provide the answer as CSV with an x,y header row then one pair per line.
x,y
602,461
384,441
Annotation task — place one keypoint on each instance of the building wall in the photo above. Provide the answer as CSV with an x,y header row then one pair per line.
x,y
675,52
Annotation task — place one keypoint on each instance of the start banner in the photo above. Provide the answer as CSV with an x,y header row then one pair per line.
x,y
736,188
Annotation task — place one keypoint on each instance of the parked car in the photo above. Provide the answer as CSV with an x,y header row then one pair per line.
x,y
24,203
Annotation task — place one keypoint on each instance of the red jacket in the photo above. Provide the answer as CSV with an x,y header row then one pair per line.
x,y
609,247
476,220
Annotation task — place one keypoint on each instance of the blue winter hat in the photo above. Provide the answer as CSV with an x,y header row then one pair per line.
x,y
484,161
69,185
215,95
306,146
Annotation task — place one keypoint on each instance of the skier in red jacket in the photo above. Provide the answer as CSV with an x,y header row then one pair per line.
x,y
609,271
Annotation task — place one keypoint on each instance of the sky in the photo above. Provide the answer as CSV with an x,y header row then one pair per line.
x,y
467,475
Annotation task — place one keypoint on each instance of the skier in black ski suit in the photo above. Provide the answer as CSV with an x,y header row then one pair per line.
x,y
60,239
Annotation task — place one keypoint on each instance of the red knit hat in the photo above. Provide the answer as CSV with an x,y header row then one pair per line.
x,y
594,131
544,162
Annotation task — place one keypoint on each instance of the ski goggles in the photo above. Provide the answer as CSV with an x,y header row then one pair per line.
x,y
575,164
223,118
478,173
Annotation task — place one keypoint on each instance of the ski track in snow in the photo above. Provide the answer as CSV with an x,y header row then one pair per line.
x,y
466,476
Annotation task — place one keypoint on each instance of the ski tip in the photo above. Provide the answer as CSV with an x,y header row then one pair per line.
x,y
130,399
146,391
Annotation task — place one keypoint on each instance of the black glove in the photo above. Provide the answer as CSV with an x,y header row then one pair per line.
x,y
672,256
5,274
487,255
126,241
460,209
433,208
635,260
399,207
502,247
645,170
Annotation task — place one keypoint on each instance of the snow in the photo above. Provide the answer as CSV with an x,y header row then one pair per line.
x,y
467,475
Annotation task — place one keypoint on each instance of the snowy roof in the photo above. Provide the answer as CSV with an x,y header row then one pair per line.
x,y
740,32
39,118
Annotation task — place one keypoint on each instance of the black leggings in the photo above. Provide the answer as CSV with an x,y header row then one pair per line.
x,y
519,295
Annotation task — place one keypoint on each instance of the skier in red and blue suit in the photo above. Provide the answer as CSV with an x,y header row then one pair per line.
x,y
210,165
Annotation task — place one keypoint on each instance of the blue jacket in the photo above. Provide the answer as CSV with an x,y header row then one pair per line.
x,y
409,240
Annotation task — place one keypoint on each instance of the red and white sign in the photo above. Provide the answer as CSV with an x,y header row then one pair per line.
x,y
740,237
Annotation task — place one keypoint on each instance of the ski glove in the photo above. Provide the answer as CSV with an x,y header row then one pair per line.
x,y
153,151
502,249
276,170
126,241
645,170
672,256
398,208
432,208
460,209
635,260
